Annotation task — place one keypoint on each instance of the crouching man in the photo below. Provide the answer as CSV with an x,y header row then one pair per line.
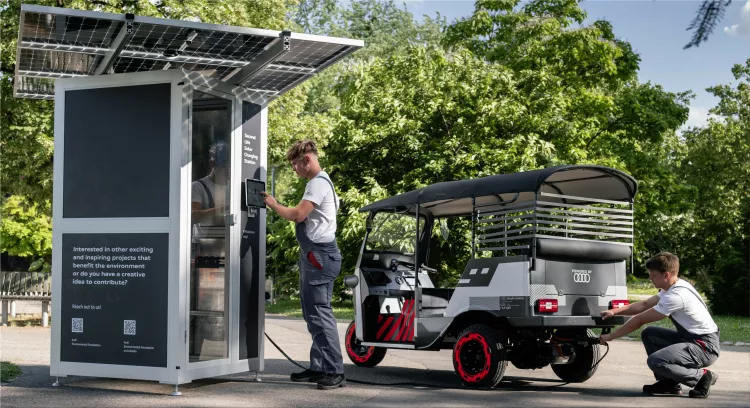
x,y
675,356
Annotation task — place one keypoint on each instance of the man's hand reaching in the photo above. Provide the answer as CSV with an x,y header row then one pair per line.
x,y
607,314
269,200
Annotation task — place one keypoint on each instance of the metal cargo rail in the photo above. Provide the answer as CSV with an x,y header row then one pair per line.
x,y
511,227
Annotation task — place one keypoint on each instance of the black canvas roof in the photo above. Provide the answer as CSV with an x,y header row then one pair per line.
x,y
454,197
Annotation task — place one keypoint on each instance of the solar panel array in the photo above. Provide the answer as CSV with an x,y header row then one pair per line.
x,y
61,43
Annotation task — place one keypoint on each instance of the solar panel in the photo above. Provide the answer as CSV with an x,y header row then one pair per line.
x,y
60,43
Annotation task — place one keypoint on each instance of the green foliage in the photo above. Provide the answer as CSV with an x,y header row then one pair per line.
x,y
546,34
515,86
733,328
428,115
291,307
385,28
8,371
393,232
26,230
27,125
714,233
710,13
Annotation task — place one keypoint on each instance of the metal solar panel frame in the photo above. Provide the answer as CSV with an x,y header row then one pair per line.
x,y
286,60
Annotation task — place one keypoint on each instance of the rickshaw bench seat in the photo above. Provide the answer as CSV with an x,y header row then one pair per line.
x,y
435,300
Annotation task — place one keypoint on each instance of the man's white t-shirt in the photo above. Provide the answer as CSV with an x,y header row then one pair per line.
x,y
681,301
218,194
320,225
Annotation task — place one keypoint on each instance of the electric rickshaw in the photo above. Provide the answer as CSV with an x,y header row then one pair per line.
x,y
549,251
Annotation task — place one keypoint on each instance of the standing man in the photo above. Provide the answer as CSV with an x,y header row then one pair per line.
x,y
319,264
209,193
675,357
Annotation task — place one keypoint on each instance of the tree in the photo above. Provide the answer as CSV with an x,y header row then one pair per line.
x,y
386,30
516,90
26,231
27,142
602,114
708,15
714,234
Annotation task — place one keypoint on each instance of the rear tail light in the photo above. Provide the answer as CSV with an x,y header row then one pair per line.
x,y
618,303
546,305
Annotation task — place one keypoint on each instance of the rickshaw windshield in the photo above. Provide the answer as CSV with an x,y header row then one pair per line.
x,y
393,232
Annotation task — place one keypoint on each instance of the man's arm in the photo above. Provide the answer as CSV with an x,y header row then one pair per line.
x,y
632,310
200,214
296,214
633,324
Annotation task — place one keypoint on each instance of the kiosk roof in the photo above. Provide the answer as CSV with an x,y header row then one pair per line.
x,y
62,43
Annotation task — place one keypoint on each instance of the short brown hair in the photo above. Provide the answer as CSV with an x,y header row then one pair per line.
x,y
300,148
664,262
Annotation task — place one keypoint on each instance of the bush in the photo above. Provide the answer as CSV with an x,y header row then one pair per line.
x,y
8,371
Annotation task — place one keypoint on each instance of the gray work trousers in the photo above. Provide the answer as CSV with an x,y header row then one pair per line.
x,y
672,357
316,290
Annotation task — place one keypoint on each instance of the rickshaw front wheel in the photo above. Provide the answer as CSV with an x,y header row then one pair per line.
x,y
362,356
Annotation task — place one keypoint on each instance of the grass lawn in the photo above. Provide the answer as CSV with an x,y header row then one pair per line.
x,y
26,320
733,328
8,371
292,308
642,288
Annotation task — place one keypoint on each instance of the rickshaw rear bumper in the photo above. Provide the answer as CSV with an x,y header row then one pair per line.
x,y
567,321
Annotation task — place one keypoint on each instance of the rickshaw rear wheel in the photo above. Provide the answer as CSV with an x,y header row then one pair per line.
x,y
362,356
584,365
478,357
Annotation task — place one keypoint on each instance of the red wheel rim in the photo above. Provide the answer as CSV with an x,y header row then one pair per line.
x,y
357,352
472,357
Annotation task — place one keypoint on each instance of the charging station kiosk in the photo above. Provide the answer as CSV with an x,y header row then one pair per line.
x,y
158,262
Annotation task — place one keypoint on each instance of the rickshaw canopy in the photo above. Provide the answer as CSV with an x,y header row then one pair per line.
x,y
452,198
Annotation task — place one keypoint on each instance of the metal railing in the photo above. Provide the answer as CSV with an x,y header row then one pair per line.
x,y
25,286
510,228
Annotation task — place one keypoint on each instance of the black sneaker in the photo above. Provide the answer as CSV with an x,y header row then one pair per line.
x,y
702,389
331,381
663,387
307,376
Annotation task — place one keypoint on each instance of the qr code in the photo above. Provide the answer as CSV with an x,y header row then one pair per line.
x,y
130,327
77,325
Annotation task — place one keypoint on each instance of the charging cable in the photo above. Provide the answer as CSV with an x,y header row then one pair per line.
x,y
591,341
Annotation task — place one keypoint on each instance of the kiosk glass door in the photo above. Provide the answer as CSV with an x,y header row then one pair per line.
x,y
211,120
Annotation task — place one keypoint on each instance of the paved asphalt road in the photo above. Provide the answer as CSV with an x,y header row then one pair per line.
x,y
424,379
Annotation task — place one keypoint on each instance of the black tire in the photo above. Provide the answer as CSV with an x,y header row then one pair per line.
x,y
584,365
479,357
360,355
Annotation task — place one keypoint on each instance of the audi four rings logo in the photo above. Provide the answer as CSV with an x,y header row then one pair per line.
x,y
581,275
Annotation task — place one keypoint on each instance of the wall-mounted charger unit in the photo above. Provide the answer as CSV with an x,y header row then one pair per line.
x,y
253,193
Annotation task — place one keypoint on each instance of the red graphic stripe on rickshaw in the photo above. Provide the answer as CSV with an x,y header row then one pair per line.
x,y
394,327
384,327
409,323
405,312
408,305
